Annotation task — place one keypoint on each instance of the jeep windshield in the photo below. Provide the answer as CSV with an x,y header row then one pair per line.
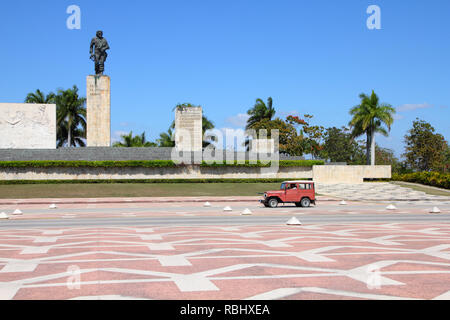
x,y
283,186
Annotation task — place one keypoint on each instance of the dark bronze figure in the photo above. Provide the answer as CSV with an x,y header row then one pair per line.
x,y
99,55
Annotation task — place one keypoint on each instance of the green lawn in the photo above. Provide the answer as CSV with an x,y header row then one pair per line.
x,y
133,190
423,188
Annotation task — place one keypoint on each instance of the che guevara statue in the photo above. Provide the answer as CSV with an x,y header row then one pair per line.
x,y
99,45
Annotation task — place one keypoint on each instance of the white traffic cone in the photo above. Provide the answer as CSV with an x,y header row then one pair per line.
x,y
247,212
17,212
391,207
294,222
435,210
3,216
343,203
53,206
227,209
207,205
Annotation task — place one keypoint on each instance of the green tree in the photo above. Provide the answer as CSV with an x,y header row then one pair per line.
x,y
165,139
386,157
425,150
39,97
447,159
260,111
289,141
78,135
311,136
369,118
130,141
339,146
70,117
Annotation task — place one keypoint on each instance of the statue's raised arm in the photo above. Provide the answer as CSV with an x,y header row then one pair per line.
x,y
98,48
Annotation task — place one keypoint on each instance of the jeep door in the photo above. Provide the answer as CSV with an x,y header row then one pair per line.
x,y
292,194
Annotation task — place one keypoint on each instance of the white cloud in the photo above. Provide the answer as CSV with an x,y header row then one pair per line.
x,y
398,117
239,120
117,136
412,107
289,113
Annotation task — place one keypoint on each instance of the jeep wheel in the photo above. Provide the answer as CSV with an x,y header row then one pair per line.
x,y
273,203
306,203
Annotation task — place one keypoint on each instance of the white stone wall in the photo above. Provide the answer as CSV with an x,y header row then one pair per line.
x,y
27,126
320,174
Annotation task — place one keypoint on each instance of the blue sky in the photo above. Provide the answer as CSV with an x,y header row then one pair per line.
x,y
312,57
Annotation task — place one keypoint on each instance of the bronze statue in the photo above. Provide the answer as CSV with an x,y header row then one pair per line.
x,y
99,55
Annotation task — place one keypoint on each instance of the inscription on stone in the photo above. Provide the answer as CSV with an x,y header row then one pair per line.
x,y
188,125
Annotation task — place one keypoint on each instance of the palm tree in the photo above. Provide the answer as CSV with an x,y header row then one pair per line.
x,y
260,111
70,115
369,118
39,97
165,139
130,141
78,135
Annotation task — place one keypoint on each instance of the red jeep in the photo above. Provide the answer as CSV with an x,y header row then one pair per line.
x,y
302,193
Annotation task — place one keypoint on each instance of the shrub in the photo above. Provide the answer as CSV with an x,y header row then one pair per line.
x,y
434,179
91,164
146,164
143,181
282,163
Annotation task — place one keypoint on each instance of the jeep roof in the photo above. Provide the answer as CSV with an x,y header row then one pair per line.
x,y
298,181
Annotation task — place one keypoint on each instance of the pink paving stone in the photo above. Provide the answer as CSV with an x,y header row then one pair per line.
x,y
219,260
403,266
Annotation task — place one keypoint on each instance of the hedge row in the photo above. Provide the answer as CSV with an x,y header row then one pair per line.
x,y
91,164
282,163
435,179
145,164
301,163
142,181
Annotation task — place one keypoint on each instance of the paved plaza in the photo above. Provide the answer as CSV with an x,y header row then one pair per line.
x,y
180,249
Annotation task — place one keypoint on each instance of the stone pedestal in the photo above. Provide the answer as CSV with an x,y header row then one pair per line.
x,y
188,129
98,111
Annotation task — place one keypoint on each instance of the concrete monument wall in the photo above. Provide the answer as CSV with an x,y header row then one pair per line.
x,y
182,172
350,174
188,129
320,174
98,111
27,126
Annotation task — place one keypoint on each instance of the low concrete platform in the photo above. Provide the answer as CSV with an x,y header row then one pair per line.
x,y
377,192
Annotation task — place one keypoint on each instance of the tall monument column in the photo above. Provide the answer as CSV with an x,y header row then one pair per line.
x,y
98,111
